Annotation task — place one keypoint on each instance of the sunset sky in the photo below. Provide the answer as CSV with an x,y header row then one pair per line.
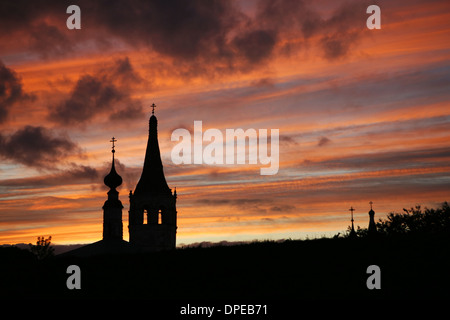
x,y
363,115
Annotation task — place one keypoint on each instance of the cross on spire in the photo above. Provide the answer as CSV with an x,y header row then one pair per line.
x,y
370,202
351,209
113,140
153,106
352,231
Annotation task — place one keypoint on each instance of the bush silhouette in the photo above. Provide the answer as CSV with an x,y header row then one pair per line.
x,y
42,249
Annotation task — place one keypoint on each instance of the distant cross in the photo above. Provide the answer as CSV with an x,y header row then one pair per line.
x,y
153,108
113,140
370,205
352,232
351,209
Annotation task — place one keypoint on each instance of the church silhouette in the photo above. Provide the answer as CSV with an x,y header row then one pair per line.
x,y
152,198
372,229
152,221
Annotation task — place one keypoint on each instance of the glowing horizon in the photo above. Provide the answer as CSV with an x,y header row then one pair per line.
x,y
363,115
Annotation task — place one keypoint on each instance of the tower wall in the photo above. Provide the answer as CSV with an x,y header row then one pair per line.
x,y
146,229
112,223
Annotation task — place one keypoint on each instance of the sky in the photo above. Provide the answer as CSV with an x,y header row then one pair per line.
x,y
363,114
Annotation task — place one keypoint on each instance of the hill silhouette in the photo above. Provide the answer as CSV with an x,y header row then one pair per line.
x,y
411,267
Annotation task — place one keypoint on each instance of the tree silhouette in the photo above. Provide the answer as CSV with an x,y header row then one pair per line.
x,y
413,221
42,249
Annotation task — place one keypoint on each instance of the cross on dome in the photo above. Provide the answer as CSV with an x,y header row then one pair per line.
x,y
113,140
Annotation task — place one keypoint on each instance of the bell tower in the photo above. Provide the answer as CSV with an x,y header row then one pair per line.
x,y
153,215
112,209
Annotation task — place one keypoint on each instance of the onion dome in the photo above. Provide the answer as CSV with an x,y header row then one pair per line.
x,y
112,179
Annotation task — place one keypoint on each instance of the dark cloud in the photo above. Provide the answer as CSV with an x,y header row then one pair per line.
x,y
335,46
180,29
264,83
119,72
289,17
255,45
81,172
106,92
90,96
36,147
124,72
129,113
22,14
343,30
39,25
198,36
323,141
11,91
299,21
294,19
49,41
289,140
